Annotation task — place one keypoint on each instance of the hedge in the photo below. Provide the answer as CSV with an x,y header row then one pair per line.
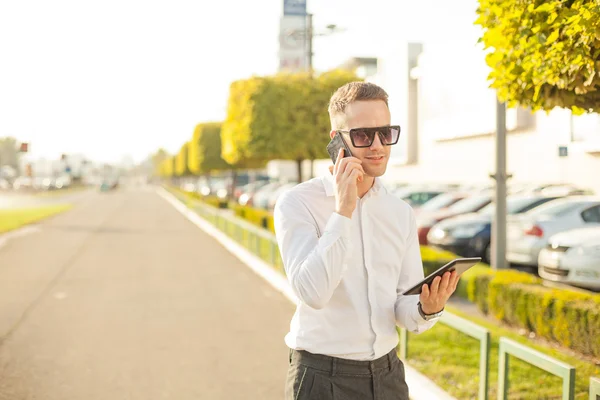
x,y
262,218
569,318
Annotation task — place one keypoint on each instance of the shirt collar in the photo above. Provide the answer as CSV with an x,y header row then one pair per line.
x,y
377,188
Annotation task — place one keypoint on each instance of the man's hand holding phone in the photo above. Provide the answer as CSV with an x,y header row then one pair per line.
x,y
347,173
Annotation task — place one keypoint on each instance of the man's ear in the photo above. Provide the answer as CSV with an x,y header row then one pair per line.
x,y
331,134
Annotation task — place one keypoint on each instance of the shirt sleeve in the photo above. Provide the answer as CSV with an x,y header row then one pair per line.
x,y
314,265
411,273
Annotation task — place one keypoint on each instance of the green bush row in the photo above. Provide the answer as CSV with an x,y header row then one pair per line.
x,y
569,318
262,218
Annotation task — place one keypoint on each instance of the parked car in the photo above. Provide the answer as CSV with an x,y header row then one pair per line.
x,y
469,235
4,184
261,197
248,191
441,202
471,204
416,197
528,233
572,257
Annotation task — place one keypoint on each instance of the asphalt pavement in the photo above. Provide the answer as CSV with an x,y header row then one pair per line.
x,y
124,298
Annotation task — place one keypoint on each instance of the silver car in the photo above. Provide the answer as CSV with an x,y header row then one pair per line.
x,y
573,257
528,234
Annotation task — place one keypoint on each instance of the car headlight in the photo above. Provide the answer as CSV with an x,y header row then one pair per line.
x,y
465,232
205,191
436,234
222,193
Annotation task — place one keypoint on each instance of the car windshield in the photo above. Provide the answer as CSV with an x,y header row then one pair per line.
x,y
556,208
441,201
513,205
469,204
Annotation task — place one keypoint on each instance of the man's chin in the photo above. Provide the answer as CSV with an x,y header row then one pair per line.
x,y
376,172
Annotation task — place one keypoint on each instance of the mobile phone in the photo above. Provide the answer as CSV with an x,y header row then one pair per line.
x,y
334,146
459,265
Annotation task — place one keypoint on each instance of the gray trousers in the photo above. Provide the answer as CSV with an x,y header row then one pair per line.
x,y
319,377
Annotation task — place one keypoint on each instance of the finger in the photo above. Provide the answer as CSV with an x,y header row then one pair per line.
x,y
347,161
445,281
424,293
331,169
435,285
353,167
456,279
357,175
338,161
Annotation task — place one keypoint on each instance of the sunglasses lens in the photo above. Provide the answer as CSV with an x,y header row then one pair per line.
x,y
390,135
362,138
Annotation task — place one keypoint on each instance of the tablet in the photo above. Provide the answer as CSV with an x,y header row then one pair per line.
x,y
460,265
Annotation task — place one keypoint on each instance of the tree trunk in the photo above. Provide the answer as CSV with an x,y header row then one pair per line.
x,y
299,163
233,182
312,169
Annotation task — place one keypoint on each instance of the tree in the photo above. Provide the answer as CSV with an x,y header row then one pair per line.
x,y
280,117
181,167
205,149
545,54
157,159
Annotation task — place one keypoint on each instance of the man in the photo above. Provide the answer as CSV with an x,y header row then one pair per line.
x,y
350,248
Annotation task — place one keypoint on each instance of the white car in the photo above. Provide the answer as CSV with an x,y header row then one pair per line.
x,y
528,234
573,257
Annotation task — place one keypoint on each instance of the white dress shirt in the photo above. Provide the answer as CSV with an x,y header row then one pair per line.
x,y
348,274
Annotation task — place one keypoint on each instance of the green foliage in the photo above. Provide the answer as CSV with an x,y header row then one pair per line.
x,y
569,318
545,54
280,117
261,218
205,149
158,159
15,218
181,160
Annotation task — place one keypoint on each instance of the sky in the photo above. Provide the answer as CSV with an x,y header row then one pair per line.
x,y
117,79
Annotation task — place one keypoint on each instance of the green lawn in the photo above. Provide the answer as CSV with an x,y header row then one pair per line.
x,y
15,218
451,359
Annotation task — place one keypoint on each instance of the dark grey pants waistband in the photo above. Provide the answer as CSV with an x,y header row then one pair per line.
x,y
335,365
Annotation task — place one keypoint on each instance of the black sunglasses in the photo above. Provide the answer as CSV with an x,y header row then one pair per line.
x,y
364,137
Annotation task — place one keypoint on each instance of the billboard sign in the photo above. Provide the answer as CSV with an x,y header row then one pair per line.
x,y
293,46
294,7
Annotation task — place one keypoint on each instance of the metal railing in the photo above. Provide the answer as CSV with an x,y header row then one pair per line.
x,y
533,357
258,241
594,388
468,328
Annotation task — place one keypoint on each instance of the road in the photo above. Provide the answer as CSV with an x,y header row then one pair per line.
x,y
124,298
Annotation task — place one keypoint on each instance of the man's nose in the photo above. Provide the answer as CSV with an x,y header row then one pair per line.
x,y
376,142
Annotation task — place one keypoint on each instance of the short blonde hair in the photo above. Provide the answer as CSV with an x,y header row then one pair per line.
x,y
350,92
